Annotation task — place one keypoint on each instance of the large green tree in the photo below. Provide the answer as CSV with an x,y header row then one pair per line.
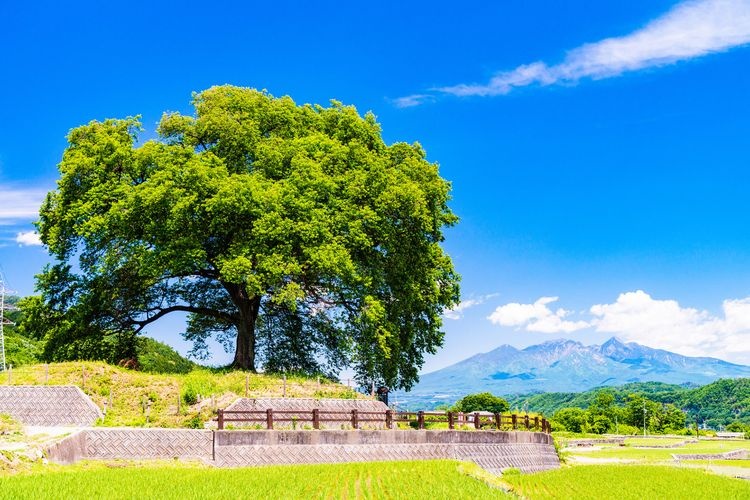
x,y
289,232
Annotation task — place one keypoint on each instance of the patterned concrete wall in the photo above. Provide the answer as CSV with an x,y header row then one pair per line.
x,y
492,450
305,407
148,443
48,405
727,455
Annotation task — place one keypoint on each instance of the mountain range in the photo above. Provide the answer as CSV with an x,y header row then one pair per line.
x,y
562,366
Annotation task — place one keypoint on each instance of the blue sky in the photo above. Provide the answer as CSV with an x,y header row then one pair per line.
x,y
599,151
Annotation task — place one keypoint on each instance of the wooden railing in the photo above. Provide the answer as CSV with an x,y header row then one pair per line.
x,y
388,418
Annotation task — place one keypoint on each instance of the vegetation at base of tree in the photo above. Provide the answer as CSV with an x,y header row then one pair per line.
x,y
483,401
418,479
149,355
717,405
157,357
291,234
623,482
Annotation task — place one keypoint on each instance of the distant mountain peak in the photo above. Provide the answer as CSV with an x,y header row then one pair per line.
x,y
565,365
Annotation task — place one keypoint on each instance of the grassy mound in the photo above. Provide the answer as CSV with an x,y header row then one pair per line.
x,y
135,398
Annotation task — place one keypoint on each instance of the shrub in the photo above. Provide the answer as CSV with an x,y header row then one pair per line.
x,y
194,422
483,401
189,396
628,430
9,425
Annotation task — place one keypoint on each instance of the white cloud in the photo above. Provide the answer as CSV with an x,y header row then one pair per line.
x,y
412,100
457,312
536,317
28,238
691,29
20,204
636,316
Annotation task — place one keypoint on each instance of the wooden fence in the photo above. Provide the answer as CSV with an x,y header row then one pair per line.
x,y
388,418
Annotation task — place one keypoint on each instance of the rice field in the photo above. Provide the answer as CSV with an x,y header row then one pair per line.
x,y
625,482
647,455
375,480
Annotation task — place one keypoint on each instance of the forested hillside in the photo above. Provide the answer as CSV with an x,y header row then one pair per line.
x,y
717,404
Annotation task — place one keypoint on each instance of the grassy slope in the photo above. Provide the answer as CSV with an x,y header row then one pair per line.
x,y
407,480
130,390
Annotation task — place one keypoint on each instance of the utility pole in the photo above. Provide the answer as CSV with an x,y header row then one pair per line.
x,y
3,321
644,419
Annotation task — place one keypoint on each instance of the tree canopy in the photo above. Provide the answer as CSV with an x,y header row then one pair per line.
x,y
292,234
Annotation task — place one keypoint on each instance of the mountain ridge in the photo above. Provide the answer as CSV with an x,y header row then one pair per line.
x,y
563,365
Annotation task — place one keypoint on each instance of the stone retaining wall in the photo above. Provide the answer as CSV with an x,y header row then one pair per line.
x,y
727,455
48,405
492,450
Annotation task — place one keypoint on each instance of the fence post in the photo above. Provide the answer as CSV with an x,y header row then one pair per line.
x,y
389,419
316,418
221,420
498,421
477,423
247,383
269,419
451,423
526,421
284,385
514,418
536,423
355,422
420,419
46,374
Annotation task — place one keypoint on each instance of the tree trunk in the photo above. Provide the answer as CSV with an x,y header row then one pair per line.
x,y
244,354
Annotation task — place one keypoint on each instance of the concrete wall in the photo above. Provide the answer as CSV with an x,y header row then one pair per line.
x,y
69,450
727,455
493,450
48,405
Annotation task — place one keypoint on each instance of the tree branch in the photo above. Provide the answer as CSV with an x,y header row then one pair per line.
x,y
205,311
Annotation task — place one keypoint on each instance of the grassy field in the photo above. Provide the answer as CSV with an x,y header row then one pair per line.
x,y
647,455
394,480
625,482
130,392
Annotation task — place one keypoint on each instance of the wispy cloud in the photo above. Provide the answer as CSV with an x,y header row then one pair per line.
x,y
691,29
457,312
410,101
28,239
19,204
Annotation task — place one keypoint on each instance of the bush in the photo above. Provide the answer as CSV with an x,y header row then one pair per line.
x,y
156,357
628,430
9,425
189,396
484,401
194,422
